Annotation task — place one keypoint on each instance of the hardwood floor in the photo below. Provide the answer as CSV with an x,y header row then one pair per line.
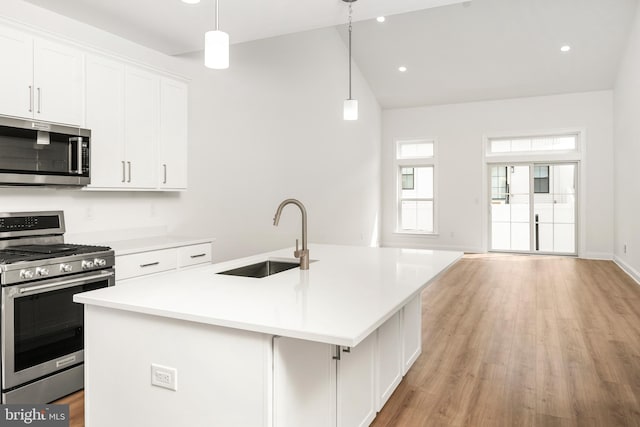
x,y
519,341
525,341
76,408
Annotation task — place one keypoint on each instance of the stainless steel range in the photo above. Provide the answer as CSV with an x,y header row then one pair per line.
x,y
41,328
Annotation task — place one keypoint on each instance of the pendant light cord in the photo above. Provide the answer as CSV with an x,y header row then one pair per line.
x,y
216,15
350,11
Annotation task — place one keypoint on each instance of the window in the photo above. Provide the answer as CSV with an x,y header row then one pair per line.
x,y
415,168
541,179
533,144
499,185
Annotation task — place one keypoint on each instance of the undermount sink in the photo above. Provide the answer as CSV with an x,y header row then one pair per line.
x,y
261,269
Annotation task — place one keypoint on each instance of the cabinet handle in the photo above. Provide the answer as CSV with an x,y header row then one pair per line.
x,y
337,356
151,264
198,256
123,172
129,167
30,99
39,99
164,166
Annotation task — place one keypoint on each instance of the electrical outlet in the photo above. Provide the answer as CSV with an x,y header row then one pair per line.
x,y
164,376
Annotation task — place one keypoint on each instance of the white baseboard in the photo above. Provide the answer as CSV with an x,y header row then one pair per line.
x,y
627,269
411,245
597,255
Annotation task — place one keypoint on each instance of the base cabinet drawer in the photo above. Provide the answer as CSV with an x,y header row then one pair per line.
x,y
194,255
143,263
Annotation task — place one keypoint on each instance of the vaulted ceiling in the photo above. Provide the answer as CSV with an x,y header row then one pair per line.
x,y
454,50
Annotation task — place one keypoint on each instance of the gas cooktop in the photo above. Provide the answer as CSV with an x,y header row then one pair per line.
x,y
13,254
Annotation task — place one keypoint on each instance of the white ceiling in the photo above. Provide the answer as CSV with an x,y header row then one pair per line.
x,y
478,50
493,49
174,27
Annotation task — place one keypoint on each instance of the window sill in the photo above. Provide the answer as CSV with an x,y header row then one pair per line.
x,y
417,233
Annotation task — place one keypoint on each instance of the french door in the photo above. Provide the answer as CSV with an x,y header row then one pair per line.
x,y
533,208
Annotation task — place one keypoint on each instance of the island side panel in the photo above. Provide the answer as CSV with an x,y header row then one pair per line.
x,y
223,374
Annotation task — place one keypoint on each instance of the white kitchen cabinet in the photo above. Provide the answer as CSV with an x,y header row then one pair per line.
x,y
194,255
304,383
312,388
44,80
411,332
138,121
141,264
356,384
389,359
104,109
141,101
131,262
16,74
172,149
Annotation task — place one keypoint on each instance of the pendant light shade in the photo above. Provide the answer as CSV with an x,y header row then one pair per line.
x,y
350,111
216,47
216,50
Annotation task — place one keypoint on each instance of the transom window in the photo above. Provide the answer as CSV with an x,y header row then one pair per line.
x,y
415,166
534,144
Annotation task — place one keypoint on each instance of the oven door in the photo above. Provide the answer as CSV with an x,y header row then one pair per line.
x,y
42,328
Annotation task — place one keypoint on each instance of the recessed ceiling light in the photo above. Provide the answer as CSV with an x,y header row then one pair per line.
x,y
191,1
402,68
380,19
565,48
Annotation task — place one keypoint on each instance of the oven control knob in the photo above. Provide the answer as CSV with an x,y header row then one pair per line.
x,y
65,268
87,264
99,262
26,274
41,271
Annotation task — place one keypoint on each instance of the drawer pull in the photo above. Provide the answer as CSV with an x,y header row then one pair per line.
x,y
151,264
198,256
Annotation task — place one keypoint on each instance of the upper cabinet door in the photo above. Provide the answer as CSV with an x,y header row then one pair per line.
x,y
58,82
104,115
173,135
142,94
16,73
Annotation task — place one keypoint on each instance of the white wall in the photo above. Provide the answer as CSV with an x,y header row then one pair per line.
x,y
271,128
268,128
459,130
627,155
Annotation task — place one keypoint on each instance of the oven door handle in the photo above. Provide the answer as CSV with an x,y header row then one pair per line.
x,y
64,283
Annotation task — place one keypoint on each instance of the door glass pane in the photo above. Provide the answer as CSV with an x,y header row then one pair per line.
x,y
510,209
554,213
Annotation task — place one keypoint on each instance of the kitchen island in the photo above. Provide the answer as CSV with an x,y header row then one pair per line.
x,y
325,346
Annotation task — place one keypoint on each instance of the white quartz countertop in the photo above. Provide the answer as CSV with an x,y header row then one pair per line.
x,y
145,244
346,294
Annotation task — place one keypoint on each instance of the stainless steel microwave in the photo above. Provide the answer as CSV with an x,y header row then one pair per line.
x,y
39,153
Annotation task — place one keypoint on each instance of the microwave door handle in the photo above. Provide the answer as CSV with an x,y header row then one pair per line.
x,y
79,154
64,283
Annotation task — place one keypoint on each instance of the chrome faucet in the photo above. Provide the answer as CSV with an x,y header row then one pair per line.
x,y
303,253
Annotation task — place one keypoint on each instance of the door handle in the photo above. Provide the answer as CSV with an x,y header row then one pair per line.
x,y
30,99
129,167
39,99
123,172
164,166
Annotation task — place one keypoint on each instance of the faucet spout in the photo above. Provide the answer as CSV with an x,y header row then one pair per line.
x,y
303,253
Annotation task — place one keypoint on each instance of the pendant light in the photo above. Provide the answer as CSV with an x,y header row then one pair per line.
x,y
216,47
350,105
